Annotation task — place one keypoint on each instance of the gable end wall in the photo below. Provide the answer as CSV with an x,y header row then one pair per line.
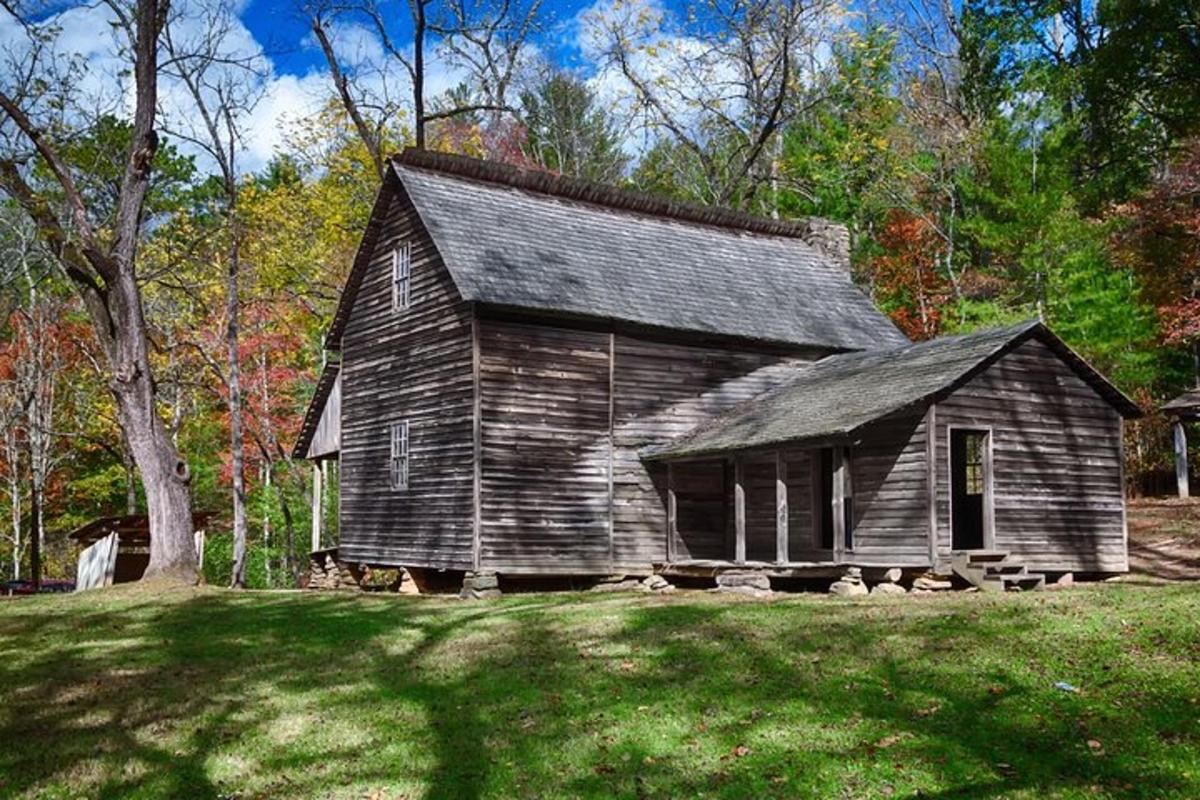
x,y
416,365
1056,451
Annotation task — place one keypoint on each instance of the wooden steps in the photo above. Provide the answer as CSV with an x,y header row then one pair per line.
x,y
994,571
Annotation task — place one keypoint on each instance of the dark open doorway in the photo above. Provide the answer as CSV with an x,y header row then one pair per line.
x,y
969,478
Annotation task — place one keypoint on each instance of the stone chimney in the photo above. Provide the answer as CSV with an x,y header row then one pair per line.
x,y
831,239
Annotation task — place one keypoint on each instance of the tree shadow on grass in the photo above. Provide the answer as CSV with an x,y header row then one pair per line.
x,y
228,694
954,704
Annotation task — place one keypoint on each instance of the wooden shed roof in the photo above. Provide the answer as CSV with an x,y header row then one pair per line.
x,y
131,527
1185,405
525,240
841,393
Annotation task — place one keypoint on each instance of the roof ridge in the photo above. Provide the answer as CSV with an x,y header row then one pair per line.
x,y
605,195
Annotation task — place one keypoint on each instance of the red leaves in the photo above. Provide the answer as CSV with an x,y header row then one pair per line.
x,y
906,276
1162,243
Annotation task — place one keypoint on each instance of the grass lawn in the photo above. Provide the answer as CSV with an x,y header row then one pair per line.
x,y
211,693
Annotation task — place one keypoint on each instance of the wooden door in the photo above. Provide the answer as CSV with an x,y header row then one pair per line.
x,y
968,488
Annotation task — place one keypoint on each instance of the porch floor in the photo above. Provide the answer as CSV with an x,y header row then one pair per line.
x,y
709,568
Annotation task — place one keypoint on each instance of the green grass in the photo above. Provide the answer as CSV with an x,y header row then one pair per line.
x,y
211,693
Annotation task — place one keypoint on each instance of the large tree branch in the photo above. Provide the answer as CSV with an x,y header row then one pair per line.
x,y
64,248
467,109
151,17
369,139
62,174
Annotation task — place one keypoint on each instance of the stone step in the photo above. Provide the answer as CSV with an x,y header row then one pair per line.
x,y
981,556
994,571
1003,568
1026,582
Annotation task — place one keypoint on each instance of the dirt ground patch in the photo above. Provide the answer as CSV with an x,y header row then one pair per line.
x,y
1164,538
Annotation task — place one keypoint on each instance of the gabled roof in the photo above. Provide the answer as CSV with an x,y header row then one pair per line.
x,y
836,396
533,241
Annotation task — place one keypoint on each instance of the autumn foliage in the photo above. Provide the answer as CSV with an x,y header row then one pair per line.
x,y
906,276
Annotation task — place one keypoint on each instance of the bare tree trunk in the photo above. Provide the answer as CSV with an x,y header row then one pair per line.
x,y
14,495
220,99
418,71
12,458
289,526
165,475
266,524
37,524
36,538
237,444
131,499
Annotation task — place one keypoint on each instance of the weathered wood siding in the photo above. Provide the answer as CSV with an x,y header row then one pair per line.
x,y
1056,460
802,536
414,364
760,507
889,481
544,398
663,389
564,414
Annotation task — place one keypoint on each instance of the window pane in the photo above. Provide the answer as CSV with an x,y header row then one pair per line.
x,y
398,461
973,467
401,273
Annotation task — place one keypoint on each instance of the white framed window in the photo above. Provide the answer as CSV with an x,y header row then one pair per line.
x,y
398,464
401,275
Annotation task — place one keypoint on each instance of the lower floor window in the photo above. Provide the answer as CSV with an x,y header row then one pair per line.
x,y
399,456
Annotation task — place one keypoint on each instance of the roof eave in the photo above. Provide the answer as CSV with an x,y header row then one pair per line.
x,y
316,407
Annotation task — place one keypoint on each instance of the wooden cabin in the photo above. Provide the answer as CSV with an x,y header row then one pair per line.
x,y
534,375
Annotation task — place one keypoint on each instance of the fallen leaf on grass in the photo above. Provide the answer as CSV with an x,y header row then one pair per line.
x,y
741,751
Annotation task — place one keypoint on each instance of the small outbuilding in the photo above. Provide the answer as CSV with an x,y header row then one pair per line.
x,y
1183,409
117,549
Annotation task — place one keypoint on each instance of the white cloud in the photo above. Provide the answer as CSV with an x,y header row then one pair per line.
x,y
286,99
85,36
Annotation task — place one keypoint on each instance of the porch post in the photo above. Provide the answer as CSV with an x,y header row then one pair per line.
x,y
739,509
672,513
839,502
931,480
1181,459
316,507
781,509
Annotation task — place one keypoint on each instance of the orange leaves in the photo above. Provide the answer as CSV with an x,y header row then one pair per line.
x,y
906,276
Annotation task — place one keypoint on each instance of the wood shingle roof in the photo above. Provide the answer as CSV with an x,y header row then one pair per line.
x,y
532,241
839,394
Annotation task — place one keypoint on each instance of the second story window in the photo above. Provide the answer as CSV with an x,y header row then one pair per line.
x,y
398,465
401,275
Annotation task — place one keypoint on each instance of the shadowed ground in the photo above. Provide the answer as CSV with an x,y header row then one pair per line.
x,y
1164,538
210,693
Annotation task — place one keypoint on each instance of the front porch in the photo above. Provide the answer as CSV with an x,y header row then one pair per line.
x,y
795,512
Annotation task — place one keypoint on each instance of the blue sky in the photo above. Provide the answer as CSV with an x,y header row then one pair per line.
x,y
285,36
